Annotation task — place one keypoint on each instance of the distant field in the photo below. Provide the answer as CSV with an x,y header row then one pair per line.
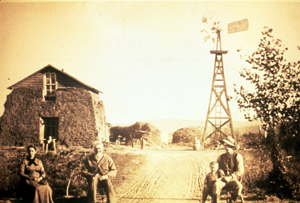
x,y
171,125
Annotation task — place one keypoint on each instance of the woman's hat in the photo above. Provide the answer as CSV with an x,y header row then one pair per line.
x,y
229,141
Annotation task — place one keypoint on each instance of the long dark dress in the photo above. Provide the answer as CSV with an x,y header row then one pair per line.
x,y
33,191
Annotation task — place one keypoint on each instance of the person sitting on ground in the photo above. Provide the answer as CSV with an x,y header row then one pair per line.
x,y
98,168
34,185
214,175
232,164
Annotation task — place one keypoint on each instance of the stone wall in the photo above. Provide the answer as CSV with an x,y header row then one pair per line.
x,y
100,118
74,108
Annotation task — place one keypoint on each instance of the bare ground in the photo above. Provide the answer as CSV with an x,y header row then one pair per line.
x,y
173,175
168,176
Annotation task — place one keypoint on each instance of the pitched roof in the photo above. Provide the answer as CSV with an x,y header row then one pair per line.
x,y
62,72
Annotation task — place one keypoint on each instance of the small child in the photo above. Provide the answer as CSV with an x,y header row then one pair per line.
x,y
211,178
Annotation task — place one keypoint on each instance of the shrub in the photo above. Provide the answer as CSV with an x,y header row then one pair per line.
x,y
10,164
58,167
251,140
261,178
258,165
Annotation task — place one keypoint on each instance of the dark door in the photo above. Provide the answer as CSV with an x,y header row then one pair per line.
x,y
51,128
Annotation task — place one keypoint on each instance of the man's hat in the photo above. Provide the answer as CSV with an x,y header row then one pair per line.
x,y
229,141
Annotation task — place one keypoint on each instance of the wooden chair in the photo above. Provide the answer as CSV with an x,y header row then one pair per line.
x,y
47,142
78,181
101,196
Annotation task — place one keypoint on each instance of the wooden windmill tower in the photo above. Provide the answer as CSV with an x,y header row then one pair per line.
x,y
218,114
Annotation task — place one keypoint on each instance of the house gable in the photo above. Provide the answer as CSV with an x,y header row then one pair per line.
x,y
63,79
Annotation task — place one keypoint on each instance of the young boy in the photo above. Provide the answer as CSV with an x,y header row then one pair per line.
x,y
211,178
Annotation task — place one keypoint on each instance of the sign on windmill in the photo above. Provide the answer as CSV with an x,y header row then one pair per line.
x,y
238,26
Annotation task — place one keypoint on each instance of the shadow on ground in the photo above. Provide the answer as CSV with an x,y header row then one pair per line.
x,y
71,200
58,200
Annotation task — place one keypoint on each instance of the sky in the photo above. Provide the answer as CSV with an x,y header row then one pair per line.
x,y
147,57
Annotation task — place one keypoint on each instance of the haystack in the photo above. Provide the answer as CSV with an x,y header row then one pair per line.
x,y
186,135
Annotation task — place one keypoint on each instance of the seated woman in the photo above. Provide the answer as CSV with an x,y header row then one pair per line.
x,y
35,187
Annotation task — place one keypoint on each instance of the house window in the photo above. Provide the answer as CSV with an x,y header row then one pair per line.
x,y
50,86
50,128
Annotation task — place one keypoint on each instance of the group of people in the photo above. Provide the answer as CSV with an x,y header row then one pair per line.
x,y
98,168
225,174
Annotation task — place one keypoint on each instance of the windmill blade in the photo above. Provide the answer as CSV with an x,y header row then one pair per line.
x,y
204,28
210,26
206,38
204,19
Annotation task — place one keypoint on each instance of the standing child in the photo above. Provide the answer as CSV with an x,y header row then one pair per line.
x,y
211,178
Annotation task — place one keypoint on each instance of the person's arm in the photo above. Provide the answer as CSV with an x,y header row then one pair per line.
x,y
84,170
221,173
225,178
112,168
22,170
42,170
240,167
206,180
219,160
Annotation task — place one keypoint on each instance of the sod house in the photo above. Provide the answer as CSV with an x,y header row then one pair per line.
x,y
52,103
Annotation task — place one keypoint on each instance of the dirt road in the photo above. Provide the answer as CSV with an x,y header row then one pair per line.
x,y
168,176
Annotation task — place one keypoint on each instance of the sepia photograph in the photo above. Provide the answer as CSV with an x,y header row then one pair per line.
x,y
149,101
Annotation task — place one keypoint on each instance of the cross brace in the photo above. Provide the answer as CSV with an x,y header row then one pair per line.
x,y
218,102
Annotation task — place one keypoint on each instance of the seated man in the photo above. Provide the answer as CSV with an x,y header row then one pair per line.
x,y
232,165
98,168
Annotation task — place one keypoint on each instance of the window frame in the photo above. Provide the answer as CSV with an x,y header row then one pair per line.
x,y
48,82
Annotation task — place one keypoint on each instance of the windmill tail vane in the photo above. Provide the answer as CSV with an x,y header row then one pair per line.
x,y
210,26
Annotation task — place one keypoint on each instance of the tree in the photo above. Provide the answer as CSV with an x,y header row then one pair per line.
x,y
274,98
276,89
